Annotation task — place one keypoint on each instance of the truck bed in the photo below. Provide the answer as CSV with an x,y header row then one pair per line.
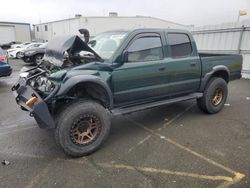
x,y
232,61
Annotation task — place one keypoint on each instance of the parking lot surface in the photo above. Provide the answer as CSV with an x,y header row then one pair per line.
x,y
168,146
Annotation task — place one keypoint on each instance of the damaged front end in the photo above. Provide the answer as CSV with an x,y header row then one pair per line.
x,y
33,93
36,88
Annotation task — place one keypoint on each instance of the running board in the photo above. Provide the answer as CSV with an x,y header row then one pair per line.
x,y
126,110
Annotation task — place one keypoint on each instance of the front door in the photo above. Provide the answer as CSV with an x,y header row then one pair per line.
x,y
143,76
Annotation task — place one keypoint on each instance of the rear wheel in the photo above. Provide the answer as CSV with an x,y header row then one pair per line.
x,y
82,128
214,96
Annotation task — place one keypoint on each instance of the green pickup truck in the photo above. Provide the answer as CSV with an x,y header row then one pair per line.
x,y
80,84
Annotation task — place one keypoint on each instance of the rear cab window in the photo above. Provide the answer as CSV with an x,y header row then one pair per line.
x,y
179,44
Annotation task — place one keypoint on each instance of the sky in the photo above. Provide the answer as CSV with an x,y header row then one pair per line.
x,y
187,12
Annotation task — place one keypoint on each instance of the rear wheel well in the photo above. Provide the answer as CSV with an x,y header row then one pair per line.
x,y
218,74
221,74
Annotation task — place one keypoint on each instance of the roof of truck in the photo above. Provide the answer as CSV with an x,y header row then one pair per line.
x,y
151,30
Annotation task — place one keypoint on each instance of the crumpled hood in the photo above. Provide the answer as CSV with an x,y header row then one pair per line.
x,y
56,48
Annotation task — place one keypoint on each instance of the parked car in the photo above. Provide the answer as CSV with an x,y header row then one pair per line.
x,y
5,69
16,51
8,45
77,88
34,55
19,45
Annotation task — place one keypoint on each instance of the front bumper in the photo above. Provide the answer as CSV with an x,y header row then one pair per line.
x,y
23,92
11,55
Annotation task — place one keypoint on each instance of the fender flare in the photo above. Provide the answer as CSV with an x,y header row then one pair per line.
x,y
71,82
208,75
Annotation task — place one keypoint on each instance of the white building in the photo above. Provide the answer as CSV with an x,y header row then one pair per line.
x,y
12,31
46,31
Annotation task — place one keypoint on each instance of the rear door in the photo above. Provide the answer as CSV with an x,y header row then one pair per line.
x,y
143,76
184,64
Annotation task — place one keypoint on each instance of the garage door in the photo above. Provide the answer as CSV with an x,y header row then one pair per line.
x,y
7,34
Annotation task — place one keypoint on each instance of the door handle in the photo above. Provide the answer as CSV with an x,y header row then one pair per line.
x,y
193,64
162,69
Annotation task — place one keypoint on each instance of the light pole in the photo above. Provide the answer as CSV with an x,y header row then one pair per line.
x,y
241,13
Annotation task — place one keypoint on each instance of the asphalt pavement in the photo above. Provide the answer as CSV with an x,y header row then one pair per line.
x,y
169,146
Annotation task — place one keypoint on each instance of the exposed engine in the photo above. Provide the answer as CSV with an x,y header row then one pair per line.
x,y
42,85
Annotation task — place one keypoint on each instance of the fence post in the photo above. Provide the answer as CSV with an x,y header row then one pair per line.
x,y
240,39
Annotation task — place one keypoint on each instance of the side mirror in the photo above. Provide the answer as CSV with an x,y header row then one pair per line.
x,y
85,33
124,57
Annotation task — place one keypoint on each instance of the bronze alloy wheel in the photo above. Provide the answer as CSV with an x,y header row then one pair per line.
x,y
217,97
85,129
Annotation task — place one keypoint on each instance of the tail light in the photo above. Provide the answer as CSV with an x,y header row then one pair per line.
x,y
3,58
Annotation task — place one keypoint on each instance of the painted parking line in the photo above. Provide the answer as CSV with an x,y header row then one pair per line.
x,y
227,181
236,179
167,172
176,117
237,175
139,143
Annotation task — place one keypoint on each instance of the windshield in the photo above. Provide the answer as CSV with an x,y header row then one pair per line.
x,y
33,45
105,44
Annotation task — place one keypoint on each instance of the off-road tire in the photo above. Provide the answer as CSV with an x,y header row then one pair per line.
x,y
66,120
206,103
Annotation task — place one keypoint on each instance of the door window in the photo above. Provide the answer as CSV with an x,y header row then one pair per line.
x,y
180,45
145,49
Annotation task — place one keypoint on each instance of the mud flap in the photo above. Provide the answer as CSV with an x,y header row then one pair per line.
x,y
42,115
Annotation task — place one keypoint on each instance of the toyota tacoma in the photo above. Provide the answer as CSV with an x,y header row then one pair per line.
x,y
80,84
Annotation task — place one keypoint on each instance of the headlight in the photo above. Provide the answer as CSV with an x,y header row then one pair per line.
x,y
11,50
24,74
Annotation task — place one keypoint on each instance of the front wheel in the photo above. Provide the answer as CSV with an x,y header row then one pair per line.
x,y
82,128
18,55
214,96
38,58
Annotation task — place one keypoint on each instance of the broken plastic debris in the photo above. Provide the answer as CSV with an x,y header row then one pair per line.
x,y
5,162
227,104
247,98
162,137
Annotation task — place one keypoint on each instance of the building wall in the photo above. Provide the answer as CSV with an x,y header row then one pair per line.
x,y
23,33
233,38
99,24
20,32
